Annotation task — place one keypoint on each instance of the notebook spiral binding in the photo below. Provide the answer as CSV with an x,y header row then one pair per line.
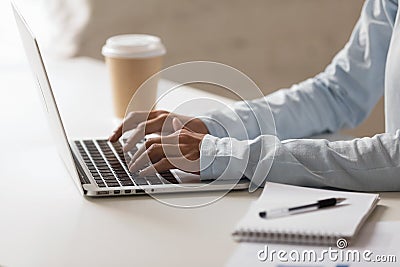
x,y
260,236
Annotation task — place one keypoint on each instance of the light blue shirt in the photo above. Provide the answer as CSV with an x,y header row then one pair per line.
x,y
340,97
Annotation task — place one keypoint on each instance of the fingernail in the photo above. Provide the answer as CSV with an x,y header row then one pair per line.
x,y
130,163
146,171
133,168
135,156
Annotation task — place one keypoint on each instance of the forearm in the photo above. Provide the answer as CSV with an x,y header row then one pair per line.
x,y
340,97
309,108
367,164
298,112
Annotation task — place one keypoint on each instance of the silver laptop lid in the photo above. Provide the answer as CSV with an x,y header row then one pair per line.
x,y
46,94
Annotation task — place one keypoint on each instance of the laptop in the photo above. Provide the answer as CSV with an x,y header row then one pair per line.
x,y
97,166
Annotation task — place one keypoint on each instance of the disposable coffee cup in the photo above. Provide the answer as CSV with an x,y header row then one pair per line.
x,y
131,59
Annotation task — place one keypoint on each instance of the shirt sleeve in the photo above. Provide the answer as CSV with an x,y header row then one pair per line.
x,y
340,97
366,164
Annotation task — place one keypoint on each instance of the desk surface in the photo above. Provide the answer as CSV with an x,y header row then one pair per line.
x,y
46,222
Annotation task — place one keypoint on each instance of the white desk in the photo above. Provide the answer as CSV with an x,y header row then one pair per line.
x,y
42,227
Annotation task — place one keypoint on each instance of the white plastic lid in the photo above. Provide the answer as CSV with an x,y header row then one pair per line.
x,y
133,46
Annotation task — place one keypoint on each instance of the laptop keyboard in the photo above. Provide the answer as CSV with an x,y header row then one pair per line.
x,y
106,163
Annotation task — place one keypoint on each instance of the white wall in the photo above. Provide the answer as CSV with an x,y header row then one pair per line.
x,y
275,42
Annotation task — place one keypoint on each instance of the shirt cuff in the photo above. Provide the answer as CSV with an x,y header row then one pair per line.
x,y
214,127
208,153
222,158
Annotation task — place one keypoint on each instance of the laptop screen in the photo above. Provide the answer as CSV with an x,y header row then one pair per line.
x,y
46,94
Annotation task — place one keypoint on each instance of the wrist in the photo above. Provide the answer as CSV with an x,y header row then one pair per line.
x,y
213,127
222,158
207,156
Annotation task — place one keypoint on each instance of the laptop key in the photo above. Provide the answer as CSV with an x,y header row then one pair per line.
x,y
114,184
140,181
168,176
108,176
127,183
124,180
101,184
109,164
170,180
110,179
154,180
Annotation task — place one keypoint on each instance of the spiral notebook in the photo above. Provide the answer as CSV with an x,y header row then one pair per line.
x,y
320,227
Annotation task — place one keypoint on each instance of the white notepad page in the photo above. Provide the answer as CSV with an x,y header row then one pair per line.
x,y
342,220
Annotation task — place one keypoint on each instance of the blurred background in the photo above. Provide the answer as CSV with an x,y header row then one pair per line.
x,y
275,42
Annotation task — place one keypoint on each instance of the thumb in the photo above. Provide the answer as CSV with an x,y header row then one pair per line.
x,y
177,124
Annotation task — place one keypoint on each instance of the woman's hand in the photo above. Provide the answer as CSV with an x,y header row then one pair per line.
x,y
180,150
178,147
157,121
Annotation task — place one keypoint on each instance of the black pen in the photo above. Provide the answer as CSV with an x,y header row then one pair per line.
x,y
320,204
